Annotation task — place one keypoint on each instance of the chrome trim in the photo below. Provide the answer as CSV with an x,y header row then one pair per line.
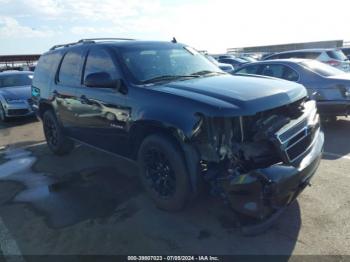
x,y
308,121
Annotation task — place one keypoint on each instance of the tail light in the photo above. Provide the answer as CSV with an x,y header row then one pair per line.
x,y
333,62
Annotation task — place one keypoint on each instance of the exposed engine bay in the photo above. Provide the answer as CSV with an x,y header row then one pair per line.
x,y
244,155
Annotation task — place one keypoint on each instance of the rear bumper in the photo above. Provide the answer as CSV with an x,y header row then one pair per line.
x,y
263,192
334,108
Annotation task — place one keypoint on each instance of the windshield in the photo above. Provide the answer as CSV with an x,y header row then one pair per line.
x,y
321,68
166,63
16,80
337,54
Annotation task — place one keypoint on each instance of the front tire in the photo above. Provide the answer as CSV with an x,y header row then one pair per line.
x,y
58,143
3,117
163,172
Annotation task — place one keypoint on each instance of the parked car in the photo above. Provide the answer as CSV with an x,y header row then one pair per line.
x,y
346,51
247,58
234,61
333,57
256,141
224,67
329,86
15,96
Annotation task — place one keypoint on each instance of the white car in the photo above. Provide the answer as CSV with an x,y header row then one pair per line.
x,y
331,56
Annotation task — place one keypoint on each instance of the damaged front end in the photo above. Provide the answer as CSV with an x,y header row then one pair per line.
x,y
259,164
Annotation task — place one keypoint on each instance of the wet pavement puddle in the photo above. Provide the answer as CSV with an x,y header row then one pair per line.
x,y
88,194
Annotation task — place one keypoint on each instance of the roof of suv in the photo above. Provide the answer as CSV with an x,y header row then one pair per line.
x,y
117,43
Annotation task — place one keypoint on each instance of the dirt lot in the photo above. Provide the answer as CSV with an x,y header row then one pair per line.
x,y
98,207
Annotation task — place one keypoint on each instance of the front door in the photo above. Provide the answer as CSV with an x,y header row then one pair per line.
x,y
103,116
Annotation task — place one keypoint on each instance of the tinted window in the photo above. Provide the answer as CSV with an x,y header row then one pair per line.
x,y
99,60
289,74
46,68
280,71
311,55
321,68
16,80
337,55
272,70
70,71
346,51
253,69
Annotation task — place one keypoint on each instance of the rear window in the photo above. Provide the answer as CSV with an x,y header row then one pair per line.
x,y
16,80
321,68
337,55
46,68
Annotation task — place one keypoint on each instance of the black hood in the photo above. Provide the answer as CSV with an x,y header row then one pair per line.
x,y
242,95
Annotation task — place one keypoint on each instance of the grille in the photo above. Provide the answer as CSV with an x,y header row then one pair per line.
x,y
297,140
17,112
30,101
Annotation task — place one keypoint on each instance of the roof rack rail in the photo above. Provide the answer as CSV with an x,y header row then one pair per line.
x,y
89,40
103,38
63,45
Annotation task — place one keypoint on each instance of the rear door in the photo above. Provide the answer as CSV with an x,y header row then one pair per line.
x,y
103,115
68,79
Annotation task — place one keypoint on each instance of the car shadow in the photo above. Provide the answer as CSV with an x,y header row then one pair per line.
x,y
104,191
337,142
19,121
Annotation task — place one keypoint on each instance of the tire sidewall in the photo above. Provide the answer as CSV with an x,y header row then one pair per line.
x,y
177,163
3,117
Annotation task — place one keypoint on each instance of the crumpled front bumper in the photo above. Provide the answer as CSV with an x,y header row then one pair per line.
x,y
263,192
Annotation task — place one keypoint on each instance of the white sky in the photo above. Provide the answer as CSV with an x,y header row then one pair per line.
x,y
33,26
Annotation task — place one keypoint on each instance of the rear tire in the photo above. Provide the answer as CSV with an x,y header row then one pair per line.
x,y
3,117
163,172
58,143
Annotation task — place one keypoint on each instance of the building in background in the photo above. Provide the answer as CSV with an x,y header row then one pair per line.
x,y
18,62
286,47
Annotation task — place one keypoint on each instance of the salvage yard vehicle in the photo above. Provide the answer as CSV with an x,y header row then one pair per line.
x,y
257,142
329,86
331,56
224,67
15,94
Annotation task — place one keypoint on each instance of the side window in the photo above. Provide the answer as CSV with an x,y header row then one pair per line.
x,y
311,55
252,70
99,60
273,71
289,74
45,69
70,71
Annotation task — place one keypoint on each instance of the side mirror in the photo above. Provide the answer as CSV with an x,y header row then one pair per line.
x,y
100,79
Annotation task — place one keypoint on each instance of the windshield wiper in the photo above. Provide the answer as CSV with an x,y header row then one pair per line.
x,y
207,72
167,77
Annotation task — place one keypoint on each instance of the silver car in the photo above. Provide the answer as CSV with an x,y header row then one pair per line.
x,y
331,56
15,94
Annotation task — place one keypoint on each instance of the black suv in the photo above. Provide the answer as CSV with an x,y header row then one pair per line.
x,y
256,141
